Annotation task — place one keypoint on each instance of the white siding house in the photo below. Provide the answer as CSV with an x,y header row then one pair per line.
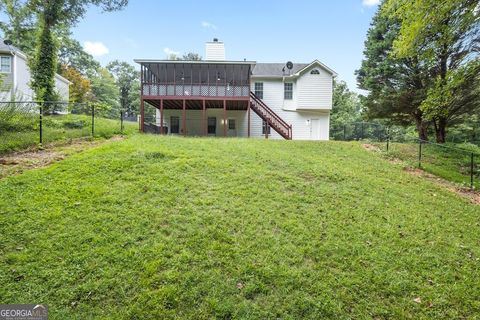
x,y
16,76
218,97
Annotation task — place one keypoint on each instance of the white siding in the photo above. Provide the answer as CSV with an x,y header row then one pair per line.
x,y
215,51
22,90
62,88
273,96
314,91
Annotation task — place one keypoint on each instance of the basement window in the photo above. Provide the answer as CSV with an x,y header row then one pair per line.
x,y
288,92
6,64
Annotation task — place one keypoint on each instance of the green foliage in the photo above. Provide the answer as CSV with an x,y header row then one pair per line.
x,y
20,25
128,81
105,94
165,228
346,105
44,64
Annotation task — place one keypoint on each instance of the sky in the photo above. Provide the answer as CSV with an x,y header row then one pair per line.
x,y
257,30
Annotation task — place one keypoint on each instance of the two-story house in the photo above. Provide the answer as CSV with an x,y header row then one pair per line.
x,y
15,76
218,97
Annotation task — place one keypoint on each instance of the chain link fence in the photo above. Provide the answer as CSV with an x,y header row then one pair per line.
x,y
456,162
30,124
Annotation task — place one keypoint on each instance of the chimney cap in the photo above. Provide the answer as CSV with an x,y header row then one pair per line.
x,y
215,39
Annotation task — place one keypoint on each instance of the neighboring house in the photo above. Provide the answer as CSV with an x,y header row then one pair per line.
x,y
218,97
16,76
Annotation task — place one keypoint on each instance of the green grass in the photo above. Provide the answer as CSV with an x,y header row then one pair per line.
x,y
167,227
61,128
446,162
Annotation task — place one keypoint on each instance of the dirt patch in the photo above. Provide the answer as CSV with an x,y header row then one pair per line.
x,y
18,162
473,196
371,147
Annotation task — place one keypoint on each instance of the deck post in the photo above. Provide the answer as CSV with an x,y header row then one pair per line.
x,y
142,115
248,115
184,119
161,116
224,118
204,119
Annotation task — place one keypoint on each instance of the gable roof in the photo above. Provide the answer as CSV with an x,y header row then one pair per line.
x,y
277,69
15,51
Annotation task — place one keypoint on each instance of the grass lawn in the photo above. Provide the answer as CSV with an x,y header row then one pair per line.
x,y
446,162
163,227
60,128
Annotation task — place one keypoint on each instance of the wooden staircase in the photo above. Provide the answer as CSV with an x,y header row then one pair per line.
x,y
272,119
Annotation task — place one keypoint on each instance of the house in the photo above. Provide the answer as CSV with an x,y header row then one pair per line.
x,y
218,97
15,76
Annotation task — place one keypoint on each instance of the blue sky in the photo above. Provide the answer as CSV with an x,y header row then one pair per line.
x,y
262,31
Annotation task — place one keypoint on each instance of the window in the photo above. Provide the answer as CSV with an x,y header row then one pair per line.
x,y
231,124
288,92
212,125
174,125
314,71
6,64
259,89
264,127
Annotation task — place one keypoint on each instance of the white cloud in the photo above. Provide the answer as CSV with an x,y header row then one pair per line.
x,y
169,52
208,25
95,48
370,3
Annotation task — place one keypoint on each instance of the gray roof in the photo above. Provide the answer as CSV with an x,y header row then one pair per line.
x,y
275,69
5,48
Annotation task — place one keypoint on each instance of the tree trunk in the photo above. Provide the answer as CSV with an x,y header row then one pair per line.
x,y
422,128
440,130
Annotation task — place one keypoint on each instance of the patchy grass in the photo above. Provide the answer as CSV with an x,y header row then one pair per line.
x,y
162,227
58,129
446,162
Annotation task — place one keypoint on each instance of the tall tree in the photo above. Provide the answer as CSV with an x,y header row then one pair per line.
x,y
51,14
80,88
125,76
445,39
20,24
105,93
396,86
191,56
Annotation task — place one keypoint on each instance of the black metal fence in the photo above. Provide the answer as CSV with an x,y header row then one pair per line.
x,y
27,124
459,163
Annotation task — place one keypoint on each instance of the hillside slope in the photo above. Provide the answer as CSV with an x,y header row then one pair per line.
x,y
157,227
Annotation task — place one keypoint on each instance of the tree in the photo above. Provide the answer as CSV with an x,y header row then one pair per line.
x,y
80,87
51,14
396,86
20,25
346,105
105,93
191,56
125,76
445,40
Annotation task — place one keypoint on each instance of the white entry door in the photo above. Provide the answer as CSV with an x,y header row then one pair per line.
x,y
315,129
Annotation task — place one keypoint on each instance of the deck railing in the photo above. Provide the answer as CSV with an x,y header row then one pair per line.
x,y
195,90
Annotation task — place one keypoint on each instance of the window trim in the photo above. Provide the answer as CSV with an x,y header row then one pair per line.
x,y
9,65
232,121
257,91
315,72
288,94
213,126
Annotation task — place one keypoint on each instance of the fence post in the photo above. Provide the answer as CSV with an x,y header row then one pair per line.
x,y
388,138
41,124
93,120
121,121
344,132
471,171
361,131
419,153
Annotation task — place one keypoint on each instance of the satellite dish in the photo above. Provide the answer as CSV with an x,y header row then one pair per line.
x,y
7,42
290,65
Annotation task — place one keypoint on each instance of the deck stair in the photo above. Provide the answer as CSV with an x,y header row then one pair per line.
x,y
272,119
